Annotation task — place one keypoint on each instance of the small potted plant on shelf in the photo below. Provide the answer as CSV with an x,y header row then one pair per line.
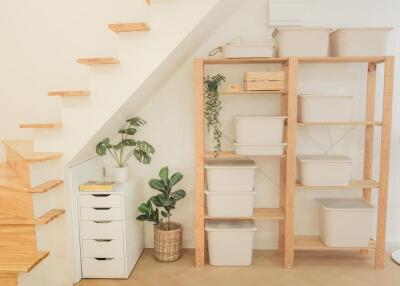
x,y
127,147
213,106
157,209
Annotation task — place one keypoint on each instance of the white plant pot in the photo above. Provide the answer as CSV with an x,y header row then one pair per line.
x,y
120,174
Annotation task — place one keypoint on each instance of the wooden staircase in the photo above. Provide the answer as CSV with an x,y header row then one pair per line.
x,y
18,217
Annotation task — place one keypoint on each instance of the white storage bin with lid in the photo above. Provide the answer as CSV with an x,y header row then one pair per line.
x,y
230,243
324,107
324,170
248,50
259,129
259,149
302,41
345,222
359,41
230,175
230,204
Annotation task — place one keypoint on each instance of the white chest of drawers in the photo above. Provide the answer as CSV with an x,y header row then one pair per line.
x,y
111,238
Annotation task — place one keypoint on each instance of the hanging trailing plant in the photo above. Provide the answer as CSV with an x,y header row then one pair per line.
x,y
213,107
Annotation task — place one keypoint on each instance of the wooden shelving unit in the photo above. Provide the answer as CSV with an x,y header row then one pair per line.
x,y
284,213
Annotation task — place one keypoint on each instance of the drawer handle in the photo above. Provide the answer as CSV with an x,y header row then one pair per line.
x,y
103,240
102,221
101,195
101,209
103,258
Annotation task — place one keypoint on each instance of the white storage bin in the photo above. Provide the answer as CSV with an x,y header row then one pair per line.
x,y
248,51
259,149
302,41
325,108
230,175
345,222
230,243
359,42
324,170
259,129
230,204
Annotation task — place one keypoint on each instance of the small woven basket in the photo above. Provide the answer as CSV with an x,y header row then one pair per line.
x,y
167,243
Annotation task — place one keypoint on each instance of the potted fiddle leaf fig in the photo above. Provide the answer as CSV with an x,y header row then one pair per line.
x,y
157,209
125,148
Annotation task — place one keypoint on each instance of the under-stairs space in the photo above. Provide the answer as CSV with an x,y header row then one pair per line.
x,y
212,142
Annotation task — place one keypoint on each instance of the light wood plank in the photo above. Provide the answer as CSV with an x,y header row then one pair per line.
x,y
97,61
24,149
69,93
128,27
44,219
40,125
259,214
8,279
352,59
233,155
200,147
366,123
20,262
359,184
221,61
315,243
17,237
384,162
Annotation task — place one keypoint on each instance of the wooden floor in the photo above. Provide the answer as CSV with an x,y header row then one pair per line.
x,y
311,268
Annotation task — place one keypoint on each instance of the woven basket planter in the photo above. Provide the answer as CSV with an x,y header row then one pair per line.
x,y
167,243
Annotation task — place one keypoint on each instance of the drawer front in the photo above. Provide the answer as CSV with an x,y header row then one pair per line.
x,y
103,267
100,200
101,213
102,230
108,248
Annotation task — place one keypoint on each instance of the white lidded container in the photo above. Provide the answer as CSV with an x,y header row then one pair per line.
x,y
230,175
345,222
230,204
324,107
359,41
259,129
259,149
324,170
302,41
230,243
248,51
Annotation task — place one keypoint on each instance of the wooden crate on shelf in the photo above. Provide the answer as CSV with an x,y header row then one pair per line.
x,y
265,80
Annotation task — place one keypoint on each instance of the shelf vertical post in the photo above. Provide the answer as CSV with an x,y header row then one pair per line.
x,y
200,147
384,162
369,132
290,162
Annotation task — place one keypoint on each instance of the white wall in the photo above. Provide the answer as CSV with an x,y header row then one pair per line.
x,y
40,41
170,115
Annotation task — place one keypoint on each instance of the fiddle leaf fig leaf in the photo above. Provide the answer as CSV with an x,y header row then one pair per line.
x,y
176,178
136,121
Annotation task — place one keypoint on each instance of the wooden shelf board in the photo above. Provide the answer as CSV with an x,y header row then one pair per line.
x,y
259,214
359,184
245,92
24,149
128,27
40,125
232,155
355,59
20,262
315,243
366,123
97,61
44,219
216,61
10,180
69,93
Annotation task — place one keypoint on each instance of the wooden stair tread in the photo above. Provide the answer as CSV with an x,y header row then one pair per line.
x,y
44,219
9,179
40,125
97,61
128,27
305,242
20,262
24,148
69,93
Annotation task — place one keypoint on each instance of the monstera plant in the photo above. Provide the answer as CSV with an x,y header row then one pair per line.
x,y
167,235
125,148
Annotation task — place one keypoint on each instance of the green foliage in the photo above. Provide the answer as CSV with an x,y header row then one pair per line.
x,y
127,146
213,108
163,202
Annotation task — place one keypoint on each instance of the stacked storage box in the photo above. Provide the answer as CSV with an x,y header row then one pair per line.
x,y
230,194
